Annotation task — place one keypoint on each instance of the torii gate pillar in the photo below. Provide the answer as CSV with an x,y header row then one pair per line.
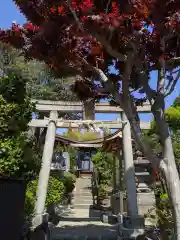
x,y
88,110
45,170
129,171
132,225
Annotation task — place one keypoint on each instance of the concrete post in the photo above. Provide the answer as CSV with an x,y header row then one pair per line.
x,y
89,114
114,174
46,165
88,110
65,155
129,171
121,197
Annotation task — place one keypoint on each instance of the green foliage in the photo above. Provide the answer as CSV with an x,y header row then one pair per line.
x,y
17,158
103,163
69,182
11,59
152,138
176,146
173,117
73,153
80,136
55,191
40,83
102,191
51,88
162,213
55,194
163,209
15,108
14,117
176,102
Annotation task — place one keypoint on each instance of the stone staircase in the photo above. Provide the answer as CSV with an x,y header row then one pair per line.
x,y
80,221
145,195
82,198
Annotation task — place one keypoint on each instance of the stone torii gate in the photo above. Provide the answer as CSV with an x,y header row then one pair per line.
x,y
88,109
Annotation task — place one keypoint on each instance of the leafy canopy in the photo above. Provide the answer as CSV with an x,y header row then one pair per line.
x,y
80,37
17,158
55,193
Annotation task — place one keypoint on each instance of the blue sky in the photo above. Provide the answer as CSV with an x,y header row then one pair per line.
x,y
9,13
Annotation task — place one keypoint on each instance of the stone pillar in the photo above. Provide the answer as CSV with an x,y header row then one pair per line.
x,y
45,170
89,114
129,170
65,155
88,110
120,187
114,174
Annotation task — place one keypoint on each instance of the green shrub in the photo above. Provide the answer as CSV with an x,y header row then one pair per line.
x,y
17,159
102,192
69,182
17,151
162,213
55,194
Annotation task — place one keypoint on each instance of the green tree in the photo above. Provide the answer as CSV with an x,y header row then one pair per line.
x,y
40,81
55,193
103,163
163,210
17,158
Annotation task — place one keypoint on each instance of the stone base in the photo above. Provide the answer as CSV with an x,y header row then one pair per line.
x,y
110,219
117,203
130,227
39,219
40,228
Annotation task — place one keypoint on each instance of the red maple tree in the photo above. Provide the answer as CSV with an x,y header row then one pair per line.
x,y
85,38
77,37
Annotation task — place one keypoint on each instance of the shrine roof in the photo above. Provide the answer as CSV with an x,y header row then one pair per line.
x,y
94,143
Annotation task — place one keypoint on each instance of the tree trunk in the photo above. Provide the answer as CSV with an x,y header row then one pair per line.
x,y
167,166
170,173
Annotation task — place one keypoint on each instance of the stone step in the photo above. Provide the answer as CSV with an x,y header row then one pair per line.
x,y
82,191
70,237
81,206
81,195
81,200
77,204
87,229
85,198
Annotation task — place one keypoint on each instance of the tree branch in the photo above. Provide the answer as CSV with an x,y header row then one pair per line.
x,y
173,85
113,52
170,64
161,72
74,15
129,109
107,6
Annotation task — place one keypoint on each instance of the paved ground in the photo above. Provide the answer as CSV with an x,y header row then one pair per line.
x,y
80,221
